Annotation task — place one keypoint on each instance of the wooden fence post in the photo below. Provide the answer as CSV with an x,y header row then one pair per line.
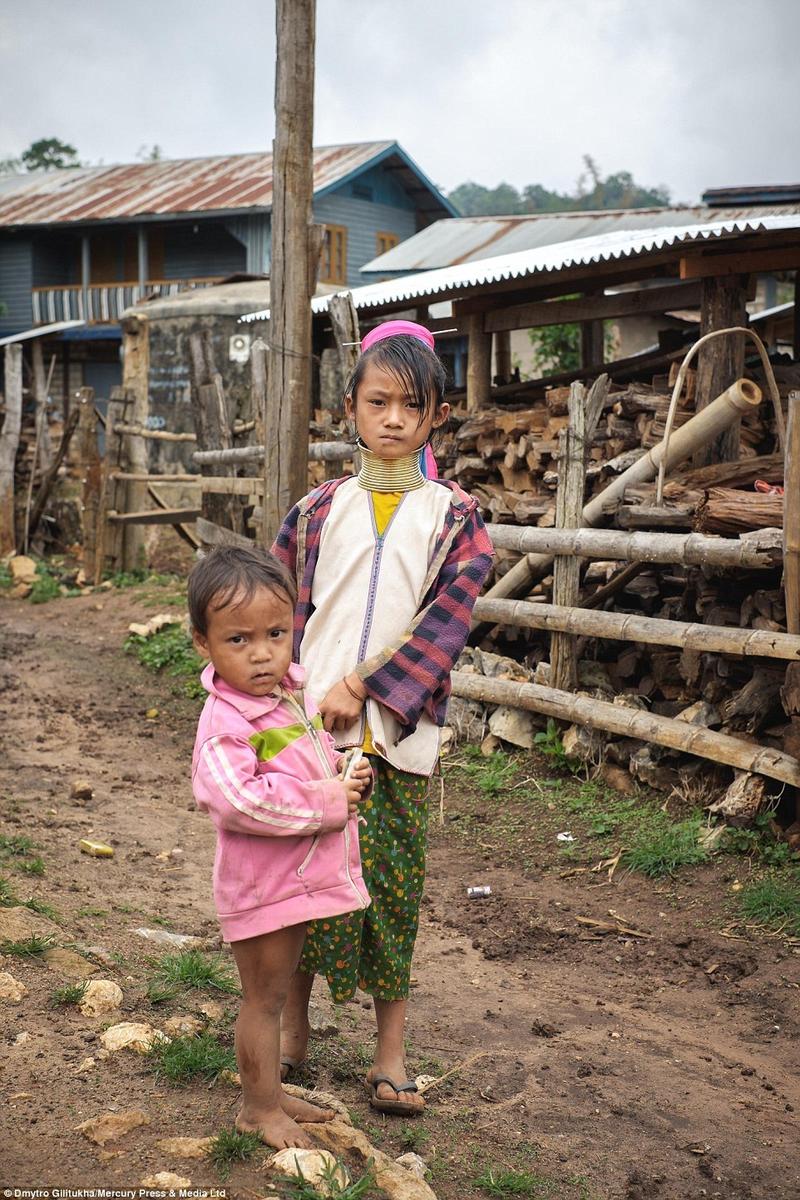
x,y
721,361
135,380
569,507
479,364
213,428
9,441
90,471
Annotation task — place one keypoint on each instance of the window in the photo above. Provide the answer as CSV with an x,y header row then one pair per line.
x,y
333,260
385,241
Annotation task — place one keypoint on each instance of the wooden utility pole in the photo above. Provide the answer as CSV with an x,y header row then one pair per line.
x,y
293,270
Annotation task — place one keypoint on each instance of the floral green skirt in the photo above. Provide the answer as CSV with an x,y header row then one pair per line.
x,y
372,949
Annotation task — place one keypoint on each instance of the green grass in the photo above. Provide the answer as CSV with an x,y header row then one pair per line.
x,y
72,993
661,850
30,947
491,774
17,847
229,1147
759,842
191,969
187,1058
498,1182
414,1137
45,587
8,897
88,911
773,901
549,744
31,866
170,651
360,1189
41,906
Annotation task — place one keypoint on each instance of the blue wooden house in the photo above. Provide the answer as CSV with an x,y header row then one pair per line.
x,y
83,244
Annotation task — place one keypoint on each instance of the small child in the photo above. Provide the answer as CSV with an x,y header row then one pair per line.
x,y
287,837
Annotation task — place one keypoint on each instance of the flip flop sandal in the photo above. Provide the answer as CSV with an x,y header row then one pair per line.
x,y
398,1108
292,1066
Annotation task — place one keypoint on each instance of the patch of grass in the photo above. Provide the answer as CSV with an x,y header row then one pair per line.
x,y
170,650
497,1182
41,906
127,579
658,852
45,587
88,911
774,902
31,866
548,742
414,1137
360,1189
185,1058
759,842
8,897
491,773
191,969
30,947
17,846
6,578
72,993
229,1147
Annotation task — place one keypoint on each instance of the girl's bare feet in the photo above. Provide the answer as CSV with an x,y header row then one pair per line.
x,y
301,1110
276,1128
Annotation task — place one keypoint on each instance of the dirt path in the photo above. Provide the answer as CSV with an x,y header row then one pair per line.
x,y
620,1068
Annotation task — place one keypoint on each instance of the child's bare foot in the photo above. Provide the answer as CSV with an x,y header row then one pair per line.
x,y
275,1127
402,1102
301,1110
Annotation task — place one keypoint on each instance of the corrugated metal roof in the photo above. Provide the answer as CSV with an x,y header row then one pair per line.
x,y
451,281
40,331
446,243
229,183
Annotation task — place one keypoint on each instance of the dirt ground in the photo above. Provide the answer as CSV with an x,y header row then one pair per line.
x,y
613,1067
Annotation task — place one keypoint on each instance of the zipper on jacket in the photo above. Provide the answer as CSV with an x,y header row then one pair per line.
x,y
311,852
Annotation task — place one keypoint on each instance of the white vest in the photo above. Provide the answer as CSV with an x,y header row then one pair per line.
x,y
366,593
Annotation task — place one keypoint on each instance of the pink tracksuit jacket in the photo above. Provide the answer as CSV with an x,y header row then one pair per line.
x,y
265,770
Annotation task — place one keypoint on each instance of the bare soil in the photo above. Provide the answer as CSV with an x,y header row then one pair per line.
x,y
612,1066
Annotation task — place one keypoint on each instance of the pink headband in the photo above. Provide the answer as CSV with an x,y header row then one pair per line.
x,y
397,329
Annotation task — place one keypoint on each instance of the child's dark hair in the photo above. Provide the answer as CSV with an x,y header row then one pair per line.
x,y
413,364
233,571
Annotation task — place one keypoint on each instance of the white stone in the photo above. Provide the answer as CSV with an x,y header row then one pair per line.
x,y
131,1035
11,989
101,996
317,1167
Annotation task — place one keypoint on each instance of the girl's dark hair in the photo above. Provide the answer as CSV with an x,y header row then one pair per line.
x,y
233,571
413,364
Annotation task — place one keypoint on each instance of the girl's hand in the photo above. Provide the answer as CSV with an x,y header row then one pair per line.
x,y
356,784
340,708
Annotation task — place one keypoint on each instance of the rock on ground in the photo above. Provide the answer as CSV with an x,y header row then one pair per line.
x,y
317,1167
165,1180
131,1035
186,1147
11,989
395,1181
101,996
110,1126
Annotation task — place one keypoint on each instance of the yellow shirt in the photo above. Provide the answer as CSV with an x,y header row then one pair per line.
x,y
384,505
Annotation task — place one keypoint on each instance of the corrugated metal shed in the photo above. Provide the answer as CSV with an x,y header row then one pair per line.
x,y
228,184
447,243
450,282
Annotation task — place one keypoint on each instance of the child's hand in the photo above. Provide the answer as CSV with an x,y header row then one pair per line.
x,y
341,708
356,784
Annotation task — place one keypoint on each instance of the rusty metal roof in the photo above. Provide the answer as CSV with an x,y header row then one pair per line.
x,y
449,243
227,184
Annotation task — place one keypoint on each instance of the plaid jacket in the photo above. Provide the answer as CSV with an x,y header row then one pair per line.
x,y
411,676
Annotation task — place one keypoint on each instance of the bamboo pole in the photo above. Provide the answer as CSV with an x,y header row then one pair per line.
x,y
791,516
154,435
629,722
629,627
701,429
317,452
689,549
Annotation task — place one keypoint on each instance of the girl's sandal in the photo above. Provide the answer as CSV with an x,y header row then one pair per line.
x,y
400,1108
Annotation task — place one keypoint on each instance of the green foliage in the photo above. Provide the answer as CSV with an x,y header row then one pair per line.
x,y
496,1182
30,947
31,866
49,154
8,897
491,773
6,578
658,852
45,587
773,901
41,906
170,650
72,993
414,1137
191,969
185,1058
549,743
299,1189
758,842
592,192
232,1146
558,347
18,846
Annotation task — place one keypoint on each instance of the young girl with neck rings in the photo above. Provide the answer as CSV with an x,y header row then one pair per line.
x,y
388,566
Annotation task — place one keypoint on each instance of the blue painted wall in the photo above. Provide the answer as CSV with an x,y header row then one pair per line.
x,y
210,251
364,219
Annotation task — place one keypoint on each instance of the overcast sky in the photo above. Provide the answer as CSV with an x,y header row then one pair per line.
x,y
687,93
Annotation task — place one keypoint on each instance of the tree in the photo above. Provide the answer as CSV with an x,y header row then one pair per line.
x,y
152,153
619,190
49,154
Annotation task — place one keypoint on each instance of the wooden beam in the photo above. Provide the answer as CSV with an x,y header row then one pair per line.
x,y
89,469
293,271
135,381
689,549
598,307
183,531
9,441
211,534
155,435
156,516
703,266
569,507
630,722
721,360
479,365
317,452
